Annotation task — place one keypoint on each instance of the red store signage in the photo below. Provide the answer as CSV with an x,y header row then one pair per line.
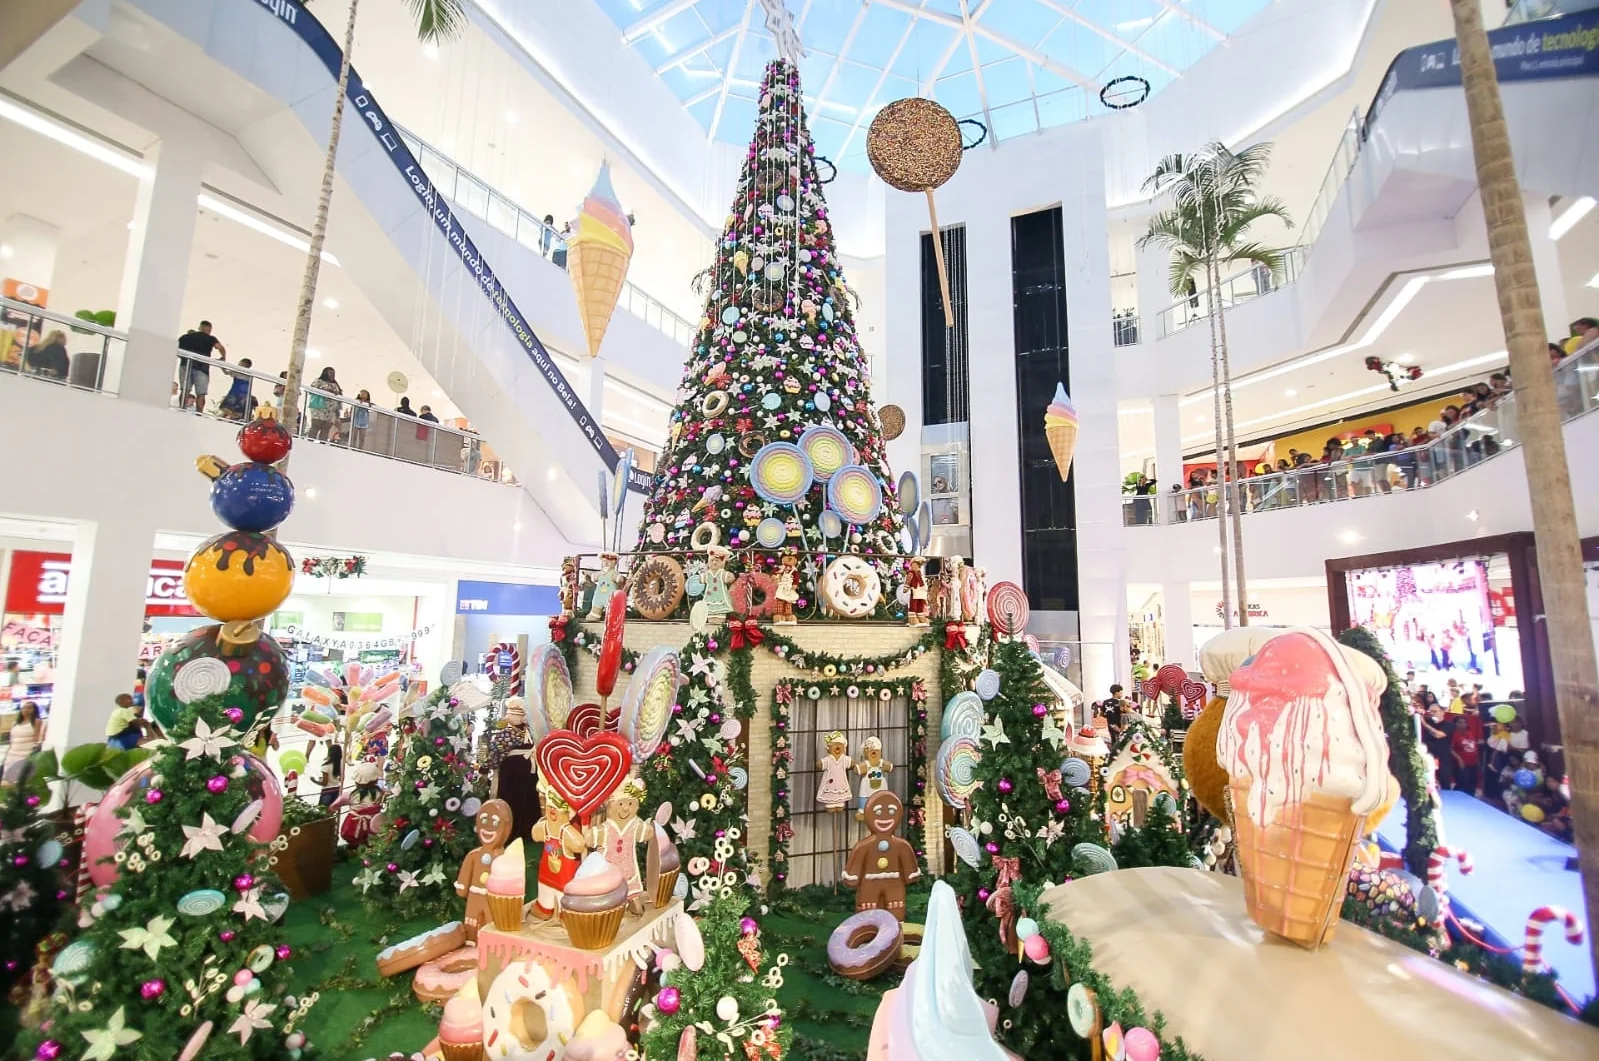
x,y
39,584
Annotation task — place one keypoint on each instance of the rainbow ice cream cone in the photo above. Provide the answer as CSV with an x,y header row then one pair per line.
x,y
1303,746
1060,427
597,255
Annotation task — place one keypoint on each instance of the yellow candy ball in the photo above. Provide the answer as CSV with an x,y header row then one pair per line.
x,y
238,575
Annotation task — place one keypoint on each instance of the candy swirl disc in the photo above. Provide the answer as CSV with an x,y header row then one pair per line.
x,y
910,494
1007,608
1082,1010
963,716
200,678
49,852
201,903
1092,858
647,702
739,776
987,684
828,450
829,523
72,964
1018,988
781,473
549,686
770,532
854,493
1074,773
965,845
957,771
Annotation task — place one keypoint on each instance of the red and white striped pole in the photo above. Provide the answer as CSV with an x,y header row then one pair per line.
x,y
1532,951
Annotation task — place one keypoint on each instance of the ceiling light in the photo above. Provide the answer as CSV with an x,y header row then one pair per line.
x,y
1570,216
430,51
437,393
75,140
1289,393
517,525
551,475
248,220
1349,537
1405,359
312,351
310,491
330,303
6,251
130,226
1472,515
511,118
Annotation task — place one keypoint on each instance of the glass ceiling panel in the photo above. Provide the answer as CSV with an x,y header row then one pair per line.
x,y
1040,63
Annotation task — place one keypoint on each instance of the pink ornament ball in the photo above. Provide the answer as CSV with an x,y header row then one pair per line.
x,y
243,882
747,926
153,796
1005,784
284,952
1037,948
668,1000
48,1050
242,977
33,801
392,867
151,990
1039,710
226,935
234,715
1140,1044
991,847
217,785
1062,806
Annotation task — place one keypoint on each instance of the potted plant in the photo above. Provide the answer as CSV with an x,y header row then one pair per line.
x,y
302,855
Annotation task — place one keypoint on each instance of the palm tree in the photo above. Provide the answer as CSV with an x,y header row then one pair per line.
x,y
1554,518
1214,204
436,21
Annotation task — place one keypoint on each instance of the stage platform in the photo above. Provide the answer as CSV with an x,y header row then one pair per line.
x,y
1518,869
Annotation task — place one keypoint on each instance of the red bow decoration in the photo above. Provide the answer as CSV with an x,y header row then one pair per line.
x,y
954,636
558,629
1050,779
1003,907
1010,870
745,632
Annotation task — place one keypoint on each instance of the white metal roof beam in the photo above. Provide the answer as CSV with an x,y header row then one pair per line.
x,y
955,41
704,46
970,18
732,68
1059,69
1100,31
655,19
843,49
882,76
1200,24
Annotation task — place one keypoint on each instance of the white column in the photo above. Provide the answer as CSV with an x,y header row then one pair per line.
x,y
1101,566
28,250
156,273
1546,264
1154,294
104,616
991,377
1177,613
1168,448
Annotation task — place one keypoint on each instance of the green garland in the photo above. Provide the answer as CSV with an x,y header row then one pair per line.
x,y
783,694
827,665
1405,760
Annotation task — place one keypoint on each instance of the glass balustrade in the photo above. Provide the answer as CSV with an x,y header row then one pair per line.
x,y
475,197
55,348
1464,446
1239,287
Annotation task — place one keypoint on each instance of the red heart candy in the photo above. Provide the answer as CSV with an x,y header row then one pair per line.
x,y
584,770
585,719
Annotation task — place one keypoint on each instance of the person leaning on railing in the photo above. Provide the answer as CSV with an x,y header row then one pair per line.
x,y
49,358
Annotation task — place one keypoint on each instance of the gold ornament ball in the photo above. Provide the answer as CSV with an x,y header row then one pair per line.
x,y
914,145
1205,774
238,575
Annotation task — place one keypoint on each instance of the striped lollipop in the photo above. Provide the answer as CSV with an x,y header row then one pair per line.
x,y
1007,608
827,449
963,715
965,845
854,493
956,771
1093,858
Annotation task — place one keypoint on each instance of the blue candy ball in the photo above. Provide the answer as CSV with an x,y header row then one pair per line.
x,y
1526,779
252,497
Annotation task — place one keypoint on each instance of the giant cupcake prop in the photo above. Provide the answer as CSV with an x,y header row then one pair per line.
x,y
1302,743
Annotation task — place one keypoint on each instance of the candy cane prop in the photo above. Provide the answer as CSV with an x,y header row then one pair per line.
x,y
1438,860
1532,951
1390,860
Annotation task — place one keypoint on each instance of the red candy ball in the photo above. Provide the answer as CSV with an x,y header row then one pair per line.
x,y
266,441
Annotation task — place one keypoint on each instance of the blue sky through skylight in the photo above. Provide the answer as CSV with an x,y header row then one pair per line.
x,y
1016,65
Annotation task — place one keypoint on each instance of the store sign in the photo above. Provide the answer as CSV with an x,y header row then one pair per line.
x,y
1256,611
506,598
39,583
21,634
358,622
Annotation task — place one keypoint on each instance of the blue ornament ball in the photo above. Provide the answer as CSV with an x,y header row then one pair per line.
x,y
252,497
1526,779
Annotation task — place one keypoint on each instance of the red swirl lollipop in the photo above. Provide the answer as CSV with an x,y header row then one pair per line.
x,y
611,647
1007,608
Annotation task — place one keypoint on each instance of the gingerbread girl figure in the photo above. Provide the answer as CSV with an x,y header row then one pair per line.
x,y
880,866
493,828
620,834
786,595
916,583
833,793
562,848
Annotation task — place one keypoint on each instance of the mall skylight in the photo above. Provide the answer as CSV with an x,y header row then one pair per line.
x,y
1017,66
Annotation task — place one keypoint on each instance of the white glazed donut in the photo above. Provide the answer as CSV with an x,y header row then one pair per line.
x,y
523,1002
851,588
705,536
714,404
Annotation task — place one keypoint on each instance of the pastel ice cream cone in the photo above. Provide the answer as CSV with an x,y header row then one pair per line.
x,y
507,887
1060,428
1302,742
597,255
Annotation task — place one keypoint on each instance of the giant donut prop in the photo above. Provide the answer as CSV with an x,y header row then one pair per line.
x,y
550,689
1007,608
419,949
851,588
705,536
527,1016
658,586
864,944
438,980
611,646
714,404
754,595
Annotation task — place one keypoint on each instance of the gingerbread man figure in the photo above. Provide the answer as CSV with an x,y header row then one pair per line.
x,y
787,592
493,830
881,866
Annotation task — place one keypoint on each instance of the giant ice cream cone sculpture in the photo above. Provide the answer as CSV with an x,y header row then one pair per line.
x,y
1302,743
1060,427
597,253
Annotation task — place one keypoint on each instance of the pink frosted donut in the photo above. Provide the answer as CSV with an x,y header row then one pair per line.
x,y
864,944
754,595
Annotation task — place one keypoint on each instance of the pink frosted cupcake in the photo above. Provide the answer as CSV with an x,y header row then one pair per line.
x,y
593,904
507,887
461,1030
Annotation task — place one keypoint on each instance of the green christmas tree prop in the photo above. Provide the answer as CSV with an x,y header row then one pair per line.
x,y
730,1002
777,354
185,944
411,868
30,867
1160,841
1027,838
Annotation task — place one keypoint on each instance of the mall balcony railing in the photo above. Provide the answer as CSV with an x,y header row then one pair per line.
x,y
475,197
1239,287
1124,327
1464,446
56,348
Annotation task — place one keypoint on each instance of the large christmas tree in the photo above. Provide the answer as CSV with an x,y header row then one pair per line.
x,y
776,355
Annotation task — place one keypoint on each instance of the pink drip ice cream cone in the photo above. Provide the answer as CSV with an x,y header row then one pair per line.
x,y
597,255
1060,428
1303,745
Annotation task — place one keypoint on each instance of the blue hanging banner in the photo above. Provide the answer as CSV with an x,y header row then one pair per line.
x,y
506,598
